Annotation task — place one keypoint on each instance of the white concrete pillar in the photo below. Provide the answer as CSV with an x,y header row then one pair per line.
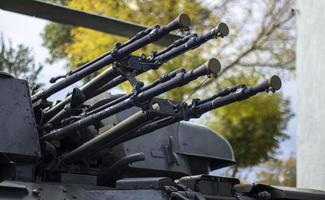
x,y
311,93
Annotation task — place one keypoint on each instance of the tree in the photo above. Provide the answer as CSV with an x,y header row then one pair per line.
x,y
261,41
18,62
278,172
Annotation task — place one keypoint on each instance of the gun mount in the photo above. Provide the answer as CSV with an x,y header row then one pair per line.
x,y
92,145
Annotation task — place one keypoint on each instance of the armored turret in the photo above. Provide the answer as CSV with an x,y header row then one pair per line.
x,y
94,145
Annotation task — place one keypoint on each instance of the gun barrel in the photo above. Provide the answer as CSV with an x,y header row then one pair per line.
x,y
141,122
273,84
181,21
87,121
87,89
162,79
55,115
174,44
193,42
212,66
99,84
148,128
100,142
178,47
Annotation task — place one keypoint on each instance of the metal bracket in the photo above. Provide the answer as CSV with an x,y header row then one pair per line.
x,y
128,74
170,152
131,66
166,107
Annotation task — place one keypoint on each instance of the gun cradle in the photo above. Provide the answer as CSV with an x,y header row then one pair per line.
x,y
135,146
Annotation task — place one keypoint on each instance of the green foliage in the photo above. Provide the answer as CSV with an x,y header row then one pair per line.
x,y
253,127
261,37
18,62
279,172
56,37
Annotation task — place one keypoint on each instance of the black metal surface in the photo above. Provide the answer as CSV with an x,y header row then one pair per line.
x,y
155,148
109,175
133,64
279,192
193,42
86,179
7,167
178,47
273,84
221,187
5,75
179,111
117,54
158,149
212,66
149,183
55,191
137,65
171,152
134,143
162,79
215,147
18,135
102,140
208,187
64,15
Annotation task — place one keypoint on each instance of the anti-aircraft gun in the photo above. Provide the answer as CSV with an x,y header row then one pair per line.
x,y
92,145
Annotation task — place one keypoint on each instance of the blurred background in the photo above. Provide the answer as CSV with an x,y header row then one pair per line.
x,y
262,42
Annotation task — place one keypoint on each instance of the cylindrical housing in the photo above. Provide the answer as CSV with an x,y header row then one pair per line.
x,y
100,142
88,90
212,66
147,129
109,85
73,78
274,83
87,121
175,44
162,79
194,42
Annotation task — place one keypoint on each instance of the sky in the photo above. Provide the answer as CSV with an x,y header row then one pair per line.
x,y
21,29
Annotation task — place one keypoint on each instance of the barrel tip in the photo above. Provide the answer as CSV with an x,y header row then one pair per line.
x,y
184,20
275,82
214,66
223,29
